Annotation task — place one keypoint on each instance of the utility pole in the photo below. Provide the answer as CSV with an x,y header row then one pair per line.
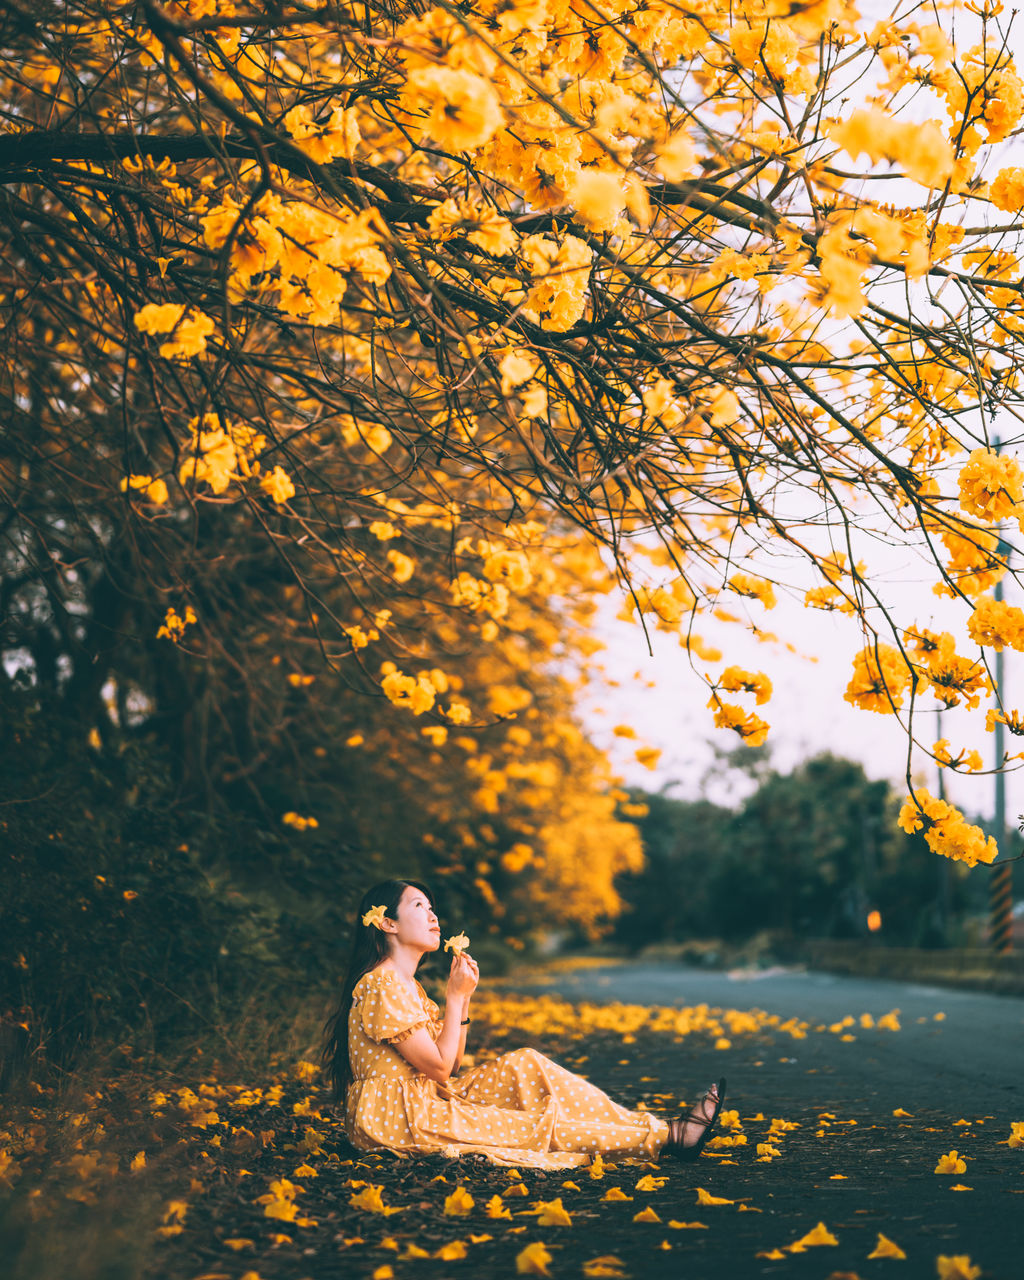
x,y
1001,885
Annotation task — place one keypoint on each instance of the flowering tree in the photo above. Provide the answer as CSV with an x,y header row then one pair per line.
x,y
434,303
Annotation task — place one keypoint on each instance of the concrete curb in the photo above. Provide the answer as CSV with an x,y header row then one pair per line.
x,y
972,968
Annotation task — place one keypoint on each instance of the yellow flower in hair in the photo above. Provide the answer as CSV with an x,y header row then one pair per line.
x,y
375,916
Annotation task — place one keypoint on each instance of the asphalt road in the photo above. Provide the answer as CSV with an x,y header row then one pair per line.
x,y
967,1066
973,1059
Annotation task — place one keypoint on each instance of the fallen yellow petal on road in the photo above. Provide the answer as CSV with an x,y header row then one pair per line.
x,y
458,1204
706,1198
550,1213
886,1248
819,1235
607,1265
533,1260
646,1215
956,1267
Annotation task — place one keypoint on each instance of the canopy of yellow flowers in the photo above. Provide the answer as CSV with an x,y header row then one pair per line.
x,y
469,314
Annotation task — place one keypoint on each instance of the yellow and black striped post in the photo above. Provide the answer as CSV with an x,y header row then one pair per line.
x,y
1001,884
1001,908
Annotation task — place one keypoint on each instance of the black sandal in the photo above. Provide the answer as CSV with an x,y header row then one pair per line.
x,y
675,1146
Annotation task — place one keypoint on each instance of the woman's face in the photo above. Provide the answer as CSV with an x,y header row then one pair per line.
x,y
417,923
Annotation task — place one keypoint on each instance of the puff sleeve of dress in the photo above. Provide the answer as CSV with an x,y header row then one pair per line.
x,y
389,1012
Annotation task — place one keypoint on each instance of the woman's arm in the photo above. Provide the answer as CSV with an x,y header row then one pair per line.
x,y
474,969
440,1058
462,1039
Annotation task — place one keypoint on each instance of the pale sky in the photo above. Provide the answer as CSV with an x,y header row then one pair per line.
x,y
666,705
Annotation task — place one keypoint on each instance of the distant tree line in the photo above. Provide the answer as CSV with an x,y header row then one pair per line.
x,y
807,854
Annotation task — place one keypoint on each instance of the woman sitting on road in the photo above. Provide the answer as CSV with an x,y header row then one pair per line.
x,y
392,1060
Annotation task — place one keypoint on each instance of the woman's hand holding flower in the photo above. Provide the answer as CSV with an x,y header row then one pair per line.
x,y
463,977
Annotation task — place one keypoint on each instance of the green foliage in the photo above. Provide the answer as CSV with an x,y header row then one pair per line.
x,y
108,919
807,853
670,898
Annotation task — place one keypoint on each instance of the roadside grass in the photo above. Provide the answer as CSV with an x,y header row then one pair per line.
x,y
72,1206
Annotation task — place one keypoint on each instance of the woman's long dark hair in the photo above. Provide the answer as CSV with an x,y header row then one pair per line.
x,y
369,948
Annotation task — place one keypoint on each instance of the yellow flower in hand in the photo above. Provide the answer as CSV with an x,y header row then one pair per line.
x,y
457,944
375,916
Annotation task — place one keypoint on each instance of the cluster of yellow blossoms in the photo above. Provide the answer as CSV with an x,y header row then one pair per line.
x,y
217,454
881,676
323,140
997,624
481,226
1007,190
735,679
188,328
922,151
975,563
298,822
745,584
751,728
945,830
991,485
174,624
560,270
417,693
970,760
948,675
305,256
152,489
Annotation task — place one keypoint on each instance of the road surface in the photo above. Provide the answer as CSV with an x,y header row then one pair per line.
x,y
972,1059
941,1071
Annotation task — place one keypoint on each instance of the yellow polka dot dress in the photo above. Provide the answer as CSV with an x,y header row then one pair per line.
x,y
520,1109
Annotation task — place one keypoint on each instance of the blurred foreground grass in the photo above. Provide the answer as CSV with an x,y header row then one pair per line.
x,y
76,1202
